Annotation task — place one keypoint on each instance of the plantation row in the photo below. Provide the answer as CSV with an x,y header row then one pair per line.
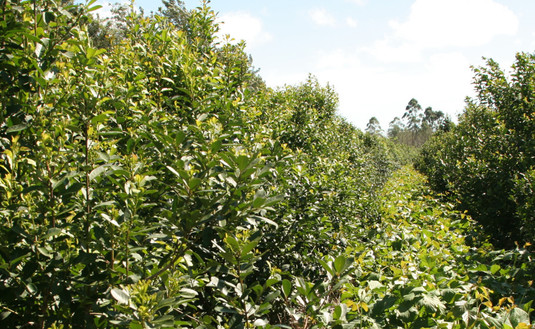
x,y
158,183
487,161
150,185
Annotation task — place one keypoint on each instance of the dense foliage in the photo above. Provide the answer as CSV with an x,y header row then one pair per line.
x,y
487,162
158,183
417,270
147,174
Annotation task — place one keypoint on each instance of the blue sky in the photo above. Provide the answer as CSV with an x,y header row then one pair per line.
x,y
377,54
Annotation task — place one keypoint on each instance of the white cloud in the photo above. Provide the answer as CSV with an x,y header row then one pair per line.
x,y
351,22
337,59
276,78
460,23
445,82
389,51
244,26
438,24
358,2
322,17
365,90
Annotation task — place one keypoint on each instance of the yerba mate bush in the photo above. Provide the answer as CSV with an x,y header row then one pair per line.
x,y
486,161
138,182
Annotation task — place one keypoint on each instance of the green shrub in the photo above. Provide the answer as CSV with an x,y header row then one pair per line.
x,y
484,162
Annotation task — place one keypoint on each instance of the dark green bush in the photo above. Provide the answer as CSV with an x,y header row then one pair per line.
x,y
485,161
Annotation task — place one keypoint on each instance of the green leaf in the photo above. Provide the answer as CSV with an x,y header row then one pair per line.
x,y
303,287
104,204
263,219
180,137
16,128
432,303
286,287
260,323
272,296
327,267
121,296
45,252
341,263
54,231
374,284
99,118
216,146
39,49
194,183
273,200
232,243
242,161
32,288
171,169
97,172
271,281
250,246
97,7
518,316
188,293
171,81
121,173
58,183
135,325
337,312
49,17
32,37
495,268
231,181
258,202
527,306
229,257
165,320
93,52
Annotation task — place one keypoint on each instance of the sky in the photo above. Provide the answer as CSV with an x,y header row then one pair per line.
x,y
377,54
